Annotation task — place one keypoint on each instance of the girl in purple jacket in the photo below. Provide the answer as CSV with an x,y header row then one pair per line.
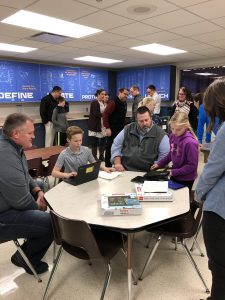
x,y
183,151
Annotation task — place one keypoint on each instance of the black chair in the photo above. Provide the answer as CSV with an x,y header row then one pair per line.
x,y
35,167
185,227
78,239
17,244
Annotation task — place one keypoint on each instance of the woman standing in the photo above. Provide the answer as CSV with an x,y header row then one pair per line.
x,y
96,130
184,103
210,189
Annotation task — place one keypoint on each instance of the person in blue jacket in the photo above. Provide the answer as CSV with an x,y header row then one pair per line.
x,y
203,120
210,190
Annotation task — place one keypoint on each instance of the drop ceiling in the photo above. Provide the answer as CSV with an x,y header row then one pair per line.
x,y
197,26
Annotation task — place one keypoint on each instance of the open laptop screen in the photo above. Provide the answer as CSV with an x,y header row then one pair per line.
x,y
85,173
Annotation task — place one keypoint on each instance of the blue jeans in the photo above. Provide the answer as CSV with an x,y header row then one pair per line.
x,y
33,225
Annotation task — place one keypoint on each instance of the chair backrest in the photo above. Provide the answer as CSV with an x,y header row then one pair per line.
x,y
184,227
35,167
75,236
51,163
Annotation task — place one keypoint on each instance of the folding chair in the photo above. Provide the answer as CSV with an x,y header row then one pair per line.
x,y
184,228
17,244
78,239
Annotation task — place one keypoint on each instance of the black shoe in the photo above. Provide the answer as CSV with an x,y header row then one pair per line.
x,y
40,268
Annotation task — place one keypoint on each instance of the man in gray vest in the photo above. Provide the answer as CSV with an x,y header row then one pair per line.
x,y
139,144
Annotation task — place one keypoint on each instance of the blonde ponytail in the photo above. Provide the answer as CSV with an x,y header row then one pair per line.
x,y
181,118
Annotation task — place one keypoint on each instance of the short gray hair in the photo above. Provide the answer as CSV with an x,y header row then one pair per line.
x,y
14,121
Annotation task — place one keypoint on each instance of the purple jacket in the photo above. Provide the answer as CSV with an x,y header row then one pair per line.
x,y
184,156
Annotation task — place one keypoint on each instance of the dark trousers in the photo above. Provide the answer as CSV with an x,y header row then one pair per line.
x,y
60,138
33,225
97,143
214,238
109,142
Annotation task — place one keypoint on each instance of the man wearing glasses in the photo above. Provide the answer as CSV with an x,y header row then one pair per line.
x,y
114,118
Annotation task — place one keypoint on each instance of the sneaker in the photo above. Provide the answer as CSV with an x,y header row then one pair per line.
x,y
18,261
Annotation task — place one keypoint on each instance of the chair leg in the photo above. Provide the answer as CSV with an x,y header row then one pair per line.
x,y
27,260
195,239
194,264
197,246
106,283
53,270
54,251
151,254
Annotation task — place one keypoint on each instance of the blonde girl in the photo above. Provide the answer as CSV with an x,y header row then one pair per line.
x,y
183,151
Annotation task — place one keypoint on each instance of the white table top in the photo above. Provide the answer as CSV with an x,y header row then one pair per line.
x,y
83,202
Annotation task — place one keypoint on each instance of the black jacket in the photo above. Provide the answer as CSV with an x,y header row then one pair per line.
x,y
47,105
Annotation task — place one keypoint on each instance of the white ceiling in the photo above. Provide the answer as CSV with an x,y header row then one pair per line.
x,y
197,26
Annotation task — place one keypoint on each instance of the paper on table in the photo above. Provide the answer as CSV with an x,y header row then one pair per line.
x,y
105,175
155,186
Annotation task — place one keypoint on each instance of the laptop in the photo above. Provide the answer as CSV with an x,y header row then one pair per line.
x,y
85,173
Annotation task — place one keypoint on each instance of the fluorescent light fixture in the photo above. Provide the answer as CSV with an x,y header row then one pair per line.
x,y
101,60
206,74
186,70
158,49
15,48
40,22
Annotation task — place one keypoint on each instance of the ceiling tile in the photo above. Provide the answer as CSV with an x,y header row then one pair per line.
x,y
67,10
16,31
128,43
17,4
219,44
173,19
209,9
197,28
127,8
105,37
219,21
100,4
79,43
6,12
210,36
134,30
181,42
107,48
103,20
185,3
159,37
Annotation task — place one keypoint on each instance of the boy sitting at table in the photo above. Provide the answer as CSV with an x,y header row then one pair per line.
x,y
74,156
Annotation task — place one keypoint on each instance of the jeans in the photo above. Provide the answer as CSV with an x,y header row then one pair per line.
x,y
214,238
33,225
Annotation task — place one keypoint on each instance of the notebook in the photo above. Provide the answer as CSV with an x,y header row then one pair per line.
x,y
85,173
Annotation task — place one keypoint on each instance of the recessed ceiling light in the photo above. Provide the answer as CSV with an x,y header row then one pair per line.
x,y
15,48
158,49
101,60
205,74
40,22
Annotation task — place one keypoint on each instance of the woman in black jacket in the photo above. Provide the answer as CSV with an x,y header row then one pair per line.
x,y
96,131
184,103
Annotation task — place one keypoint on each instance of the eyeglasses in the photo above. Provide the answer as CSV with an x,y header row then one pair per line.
x,y
181,94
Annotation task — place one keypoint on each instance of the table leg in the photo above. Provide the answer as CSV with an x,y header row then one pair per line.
x,y
129,265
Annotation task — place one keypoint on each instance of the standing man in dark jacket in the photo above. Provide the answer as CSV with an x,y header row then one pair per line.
x,y
22,204
114,118
48,103
135,92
